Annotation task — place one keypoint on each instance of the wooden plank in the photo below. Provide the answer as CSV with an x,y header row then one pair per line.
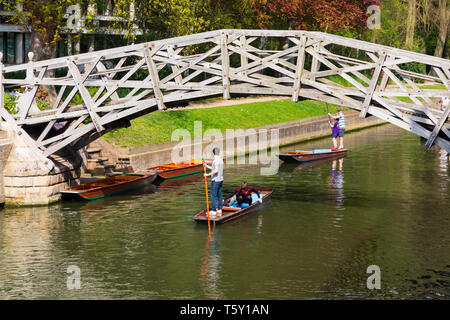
x,y
174,68
315,65
85,95
443,78
106,78
409,126
438,128
30,95
244,59
415,100
113,89
373,84
225,66
264,63
65,134
332,66
155,79
299,69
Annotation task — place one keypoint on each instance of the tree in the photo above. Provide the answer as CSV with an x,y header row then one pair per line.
x,y
323,15
411,23
44,19
444,21
159,19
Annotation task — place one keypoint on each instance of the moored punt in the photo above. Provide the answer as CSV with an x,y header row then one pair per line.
x,y
311,155
178,170
109,186
231,213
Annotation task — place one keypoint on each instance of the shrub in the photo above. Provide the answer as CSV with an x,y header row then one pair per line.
x,y
11,102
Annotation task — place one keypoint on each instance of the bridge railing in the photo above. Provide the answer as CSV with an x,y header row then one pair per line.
x,y
92,92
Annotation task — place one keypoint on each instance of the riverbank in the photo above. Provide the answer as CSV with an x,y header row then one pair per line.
x,y
243,141
157,127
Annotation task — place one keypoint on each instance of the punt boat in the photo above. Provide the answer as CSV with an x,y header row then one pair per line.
x,y
109,186
178,170
311,155
231,213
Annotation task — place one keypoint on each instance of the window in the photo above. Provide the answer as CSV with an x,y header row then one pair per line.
x,y
2,45
10,45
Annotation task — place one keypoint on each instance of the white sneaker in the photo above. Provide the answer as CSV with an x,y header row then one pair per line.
x,y
212,213
219,212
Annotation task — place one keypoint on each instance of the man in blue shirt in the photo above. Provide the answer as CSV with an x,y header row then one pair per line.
x,y
341,126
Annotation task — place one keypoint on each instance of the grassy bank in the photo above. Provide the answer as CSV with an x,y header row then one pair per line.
x,y
157,127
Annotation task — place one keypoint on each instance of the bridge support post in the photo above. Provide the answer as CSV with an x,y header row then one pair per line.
x,y
27,180
315,65
225,66
153,72
244,59
299,70
373,85
438,128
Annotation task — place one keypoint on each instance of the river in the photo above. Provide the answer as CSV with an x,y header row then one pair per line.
x,y
385,204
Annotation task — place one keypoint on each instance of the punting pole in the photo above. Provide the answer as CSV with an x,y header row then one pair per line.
x,y
207,201
329,118
326,103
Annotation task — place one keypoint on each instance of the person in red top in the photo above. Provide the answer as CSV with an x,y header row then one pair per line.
x,y
244,194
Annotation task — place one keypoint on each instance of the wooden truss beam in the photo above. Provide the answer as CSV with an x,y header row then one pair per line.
x,y
221,63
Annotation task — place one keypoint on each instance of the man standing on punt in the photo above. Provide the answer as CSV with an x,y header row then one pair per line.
x,y
341,126
216,183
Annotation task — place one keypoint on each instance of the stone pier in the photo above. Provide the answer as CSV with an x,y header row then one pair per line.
x,y
5,149
27,181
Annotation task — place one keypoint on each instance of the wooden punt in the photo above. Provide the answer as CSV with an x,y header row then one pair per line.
x,y
311,155
109,186
230,213
178,170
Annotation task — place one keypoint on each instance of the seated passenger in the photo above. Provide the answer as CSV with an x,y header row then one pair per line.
x,y
244,194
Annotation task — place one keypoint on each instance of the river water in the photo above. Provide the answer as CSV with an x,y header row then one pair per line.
x,y
385,204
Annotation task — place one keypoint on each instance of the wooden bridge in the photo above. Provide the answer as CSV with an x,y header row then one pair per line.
x,y
119,84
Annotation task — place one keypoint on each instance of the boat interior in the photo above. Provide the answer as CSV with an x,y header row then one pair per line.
x,y
106,182
179,165
227,210
315,151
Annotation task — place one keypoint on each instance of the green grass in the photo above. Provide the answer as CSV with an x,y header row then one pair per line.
x,y
157,127
426,86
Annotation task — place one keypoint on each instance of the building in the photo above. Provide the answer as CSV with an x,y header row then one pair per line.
x,y
14,39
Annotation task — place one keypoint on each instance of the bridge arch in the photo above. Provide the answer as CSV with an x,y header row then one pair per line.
x,y
103,90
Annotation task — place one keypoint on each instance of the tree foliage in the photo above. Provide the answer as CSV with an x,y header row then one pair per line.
x,y
323,15
158,19
165,18
44,18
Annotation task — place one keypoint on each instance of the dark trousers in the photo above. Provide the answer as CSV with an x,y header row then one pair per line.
x,y
216,195
244,199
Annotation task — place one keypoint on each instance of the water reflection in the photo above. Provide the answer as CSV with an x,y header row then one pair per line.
x,y
260,224
26,239
209,269
311,164
336,182
443,161
99,204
